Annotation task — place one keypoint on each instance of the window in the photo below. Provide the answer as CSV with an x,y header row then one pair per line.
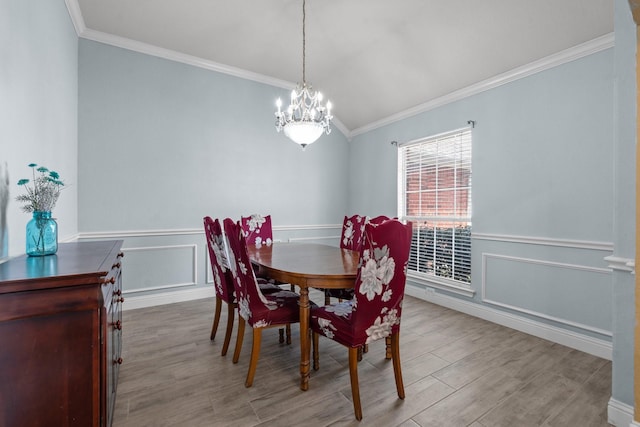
x,y
435,194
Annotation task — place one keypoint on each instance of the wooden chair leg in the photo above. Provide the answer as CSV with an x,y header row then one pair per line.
x,y
327,297
227,335
239,338
255,355
316,353
281,335
397,371
387,342
216,317
365,348
360,353
355,387
288,329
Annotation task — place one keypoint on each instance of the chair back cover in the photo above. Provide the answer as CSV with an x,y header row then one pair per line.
x,y
352,229
248,295
257,229
378,219
380,282
217,256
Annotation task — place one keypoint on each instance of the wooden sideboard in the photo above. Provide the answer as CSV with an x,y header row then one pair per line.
x,y
60,336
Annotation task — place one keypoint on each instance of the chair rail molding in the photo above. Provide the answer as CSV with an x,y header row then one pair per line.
x,y
113,234
545,241
616,263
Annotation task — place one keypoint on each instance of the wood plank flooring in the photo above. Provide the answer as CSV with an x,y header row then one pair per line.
x,y
458,371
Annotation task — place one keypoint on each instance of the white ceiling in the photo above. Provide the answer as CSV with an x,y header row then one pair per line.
x,y
372,58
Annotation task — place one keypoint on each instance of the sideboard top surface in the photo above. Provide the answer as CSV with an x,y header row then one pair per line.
x,y
74,263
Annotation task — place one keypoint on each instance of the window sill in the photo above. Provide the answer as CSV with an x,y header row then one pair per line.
x,y
440,283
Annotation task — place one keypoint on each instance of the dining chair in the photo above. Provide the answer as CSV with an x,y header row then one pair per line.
x,y
257,229
350,238
223,281
223,286
376,308
352,229
260,311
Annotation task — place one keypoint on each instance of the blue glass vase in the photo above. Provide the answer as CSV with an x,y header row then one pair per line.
x,y
42,234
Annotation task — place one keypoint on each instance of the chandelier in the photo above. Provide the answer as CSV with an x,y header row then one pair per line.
x,y
306,118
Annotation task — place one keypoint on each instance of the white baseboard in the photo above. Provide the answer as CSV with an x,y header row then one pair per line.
x,y
142,301
620,414
594,346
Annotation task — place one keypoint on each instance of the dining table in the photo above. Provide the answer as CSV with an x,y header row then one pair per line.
x,y
306,265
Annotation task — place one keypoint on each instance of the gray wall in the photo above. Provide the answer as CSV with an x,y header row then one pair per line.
x,y
624,199
553,195
542,180
163,144
38,106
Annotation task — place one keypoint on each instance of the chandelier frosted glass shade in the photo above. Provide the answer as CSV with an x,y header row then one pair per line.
x,y
303,133
306,118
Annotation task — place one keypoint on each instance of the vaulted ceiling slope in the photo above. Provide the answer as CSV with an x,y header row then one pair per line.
x,y
376,60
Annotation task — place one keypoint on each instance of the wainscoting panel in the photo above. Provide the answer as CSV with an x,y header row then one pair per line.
x,y
154,268
164,266
578,296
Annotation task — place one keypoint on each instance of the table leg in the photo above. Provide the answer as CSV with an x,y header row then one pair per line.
x,y
305,347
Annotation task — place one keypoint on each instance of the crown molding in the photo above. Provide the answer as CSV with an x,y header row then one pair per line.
x,y
588,48
596,45
76,16
171,55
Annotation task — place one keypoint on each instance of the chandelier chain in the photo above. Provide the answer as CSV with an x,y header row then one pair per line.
x,y
304,41
306,117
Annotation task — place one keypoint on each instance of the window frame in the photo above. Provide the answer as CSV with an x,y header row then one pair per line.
x,y
428,278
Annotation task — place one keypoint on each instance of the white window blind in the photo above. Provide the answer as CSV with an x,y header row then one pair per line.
x,y
435,194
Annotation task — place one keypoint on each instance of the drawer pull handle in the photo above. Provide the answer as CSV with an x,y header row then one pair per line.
x,y
118,325
121,299
112,280
118,292
116,265
118,361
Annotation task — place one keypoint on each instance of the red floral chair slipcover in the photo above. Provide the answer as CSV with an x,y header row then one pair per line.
x,y
375,310
258,310
378,219
223,287
352,229
351,238
222,279
257,229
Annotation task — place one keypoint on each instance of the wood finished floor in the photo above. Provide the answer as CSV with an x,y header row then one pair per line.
x,y
458,371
